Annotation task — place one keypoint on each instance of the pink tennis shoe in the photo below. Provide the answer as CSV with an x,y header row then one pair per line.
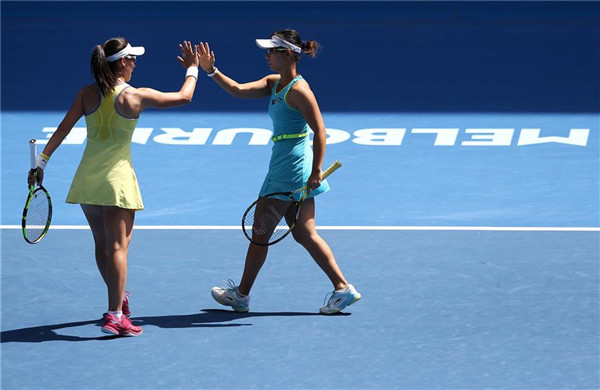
x,y
123,327
126,311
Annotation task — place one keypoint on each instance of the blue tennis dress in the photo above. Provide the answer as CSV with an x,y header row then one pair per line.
x,y
291,158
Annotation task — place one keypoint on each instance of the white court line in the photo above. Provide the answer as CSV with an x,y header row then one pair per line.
x,y
364,228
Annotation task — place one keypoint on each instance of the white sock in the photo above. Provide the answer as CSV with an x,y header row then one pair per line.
x,y
117,314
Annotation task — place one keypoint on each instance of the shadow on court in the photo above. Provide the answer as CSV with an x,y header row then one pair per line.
x,y
40,334
212,318
208,318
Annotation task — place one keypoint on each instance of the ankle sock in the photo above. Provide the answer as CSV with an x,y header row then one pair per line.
x,y
117,314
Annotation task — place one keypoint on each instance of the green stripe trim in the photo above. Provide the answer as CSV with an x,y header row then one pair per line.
x,y
282,137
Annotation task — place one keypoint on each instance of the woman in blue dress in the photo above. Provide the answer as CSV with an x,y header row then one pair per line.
x,y
294,110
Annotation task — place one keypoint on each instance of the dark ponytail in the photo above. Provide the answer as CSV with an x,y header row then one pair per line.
x,y
309,48
105,73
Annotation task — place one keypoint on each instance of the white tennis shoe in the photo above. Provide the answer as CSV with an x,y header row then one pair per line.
x,y
340,299
230,296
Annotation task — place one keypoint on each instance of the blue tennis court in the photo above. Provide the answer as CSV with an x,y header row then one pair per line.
x,y
466,211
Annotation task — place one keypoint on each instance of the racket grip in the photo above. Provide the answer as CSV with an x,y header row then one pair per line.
x,y
33,153
332,168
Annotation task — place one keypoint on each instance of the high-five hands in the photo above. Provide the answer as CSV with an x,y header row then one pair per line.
x,y
206,57
189,55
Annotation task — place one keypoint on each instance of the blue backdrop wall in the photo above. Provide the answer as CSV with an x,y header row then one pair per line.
x,y
486,73
377,56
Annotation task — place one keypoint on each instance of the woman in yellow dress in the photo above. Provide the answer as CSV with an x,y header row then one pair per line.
x,y
105,184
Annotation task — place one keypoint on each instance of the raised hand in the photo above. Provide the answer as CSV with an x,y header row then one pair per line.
x,y
206,57
189,55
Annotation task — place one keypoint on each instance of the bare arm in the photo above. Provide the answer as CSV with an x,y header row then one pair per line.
x,y
151,98
135,100
303,99
64,128
75,112
255,89
252,90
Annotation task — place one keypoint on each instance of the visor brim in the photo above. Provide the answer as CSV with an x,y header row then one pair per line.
x,y
136,51
266,44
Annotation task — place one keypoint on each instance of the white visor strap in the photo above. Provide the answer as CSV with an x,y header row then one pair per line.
x,y
280,42
120,54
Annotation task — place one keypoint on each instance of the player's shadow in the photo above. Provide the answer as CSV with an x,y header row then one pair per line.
x,y
212,318
207,318
40,334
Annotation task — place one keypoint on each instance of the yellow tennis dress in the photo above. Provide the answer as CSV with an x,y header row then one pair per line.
x,y
105,176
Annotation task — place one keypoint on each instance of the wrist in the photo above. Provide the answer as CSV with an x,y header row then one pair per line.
x,y
192,71
42,161
214,72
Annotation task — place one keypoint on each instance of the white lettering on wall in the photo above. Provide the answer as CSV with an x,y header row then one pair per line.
x,y
367,137
444,137
379,137
489,137
577,137
259,136
177,136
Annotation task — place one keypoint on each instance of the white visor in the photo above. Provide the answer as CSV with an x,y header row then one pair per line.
x,y
275,41
127,51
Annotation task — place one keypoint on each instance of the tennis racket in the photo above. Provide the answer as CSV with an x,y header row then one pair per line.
x,y
37,213
272,217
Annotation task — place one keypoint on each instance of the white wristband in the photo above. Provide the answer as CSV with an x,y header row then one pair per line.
x,y
214,72
192,71
41,162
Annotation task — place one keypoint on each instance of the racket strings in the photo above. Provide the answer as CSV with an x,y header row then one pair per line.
x,y
269,219
37,216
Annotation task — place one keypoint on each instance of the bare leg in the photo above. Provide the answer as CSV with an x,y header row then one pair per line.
x,y
305,233
255,258
95,218
112,228
119,230
257,254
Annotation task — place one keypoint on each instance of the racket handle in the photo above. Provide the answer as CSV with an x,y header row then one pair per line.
x,y
332,168
33,153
